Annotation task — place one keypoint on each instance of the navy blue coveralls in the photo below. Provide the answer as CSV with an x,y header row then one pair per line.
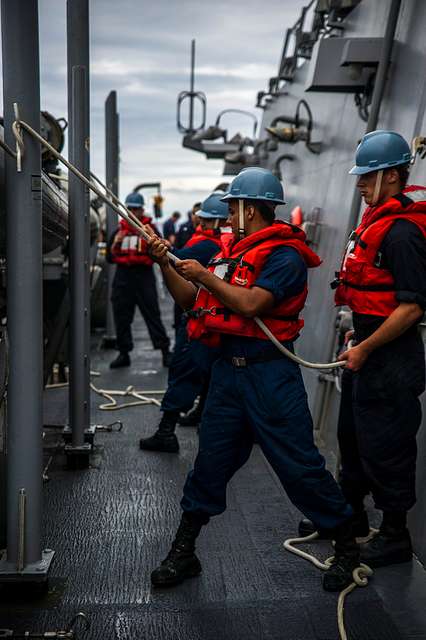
x,y
135,286
380,412
264,401
191,364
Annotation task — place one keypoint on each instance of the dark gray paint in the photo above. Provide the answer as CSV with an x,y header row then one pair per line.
x,y
54,211
24,277
323,181
79,204
250,588
79,375
111,179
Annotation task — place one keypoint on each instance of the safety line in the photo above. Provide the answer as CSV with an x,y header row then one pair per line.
x,y
360,575
125,213
141,397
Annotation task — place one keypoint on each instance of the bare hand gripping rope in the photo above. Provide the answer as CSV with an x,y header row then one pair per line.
x,y
115,204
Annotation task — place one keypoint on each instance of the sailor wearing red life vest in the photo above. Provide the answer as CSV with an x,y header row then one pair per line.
x,y
134,285
255,392
191,364
383,280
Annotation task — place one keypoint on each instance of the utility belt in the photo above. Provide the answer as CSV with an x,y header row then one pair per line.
x,y
267,355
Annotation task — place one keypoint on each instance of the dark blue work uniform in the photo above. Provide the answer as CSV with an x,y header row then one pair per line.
x,y
380,412
264,401
192,360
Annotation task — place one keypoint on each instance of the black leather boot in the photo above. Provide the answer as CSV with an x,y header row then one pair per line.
x,y
181,561
122,360
164,439
361,527
346,559
391,545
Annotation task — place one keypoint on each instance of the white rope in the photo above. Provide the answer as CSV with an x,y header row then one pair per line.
x,y
292,356
360,575
141,397
6,148
125,213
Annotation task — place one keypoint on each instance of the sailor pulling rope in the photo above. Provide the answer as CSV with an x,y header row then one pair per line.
x,y
115,204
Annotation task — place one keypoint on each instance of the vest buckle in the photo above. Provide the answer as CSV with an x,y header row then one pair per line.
x,y
239,362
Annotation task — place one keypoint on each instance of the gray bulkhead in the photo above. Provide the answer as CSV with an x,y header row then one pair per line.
x,y
320,184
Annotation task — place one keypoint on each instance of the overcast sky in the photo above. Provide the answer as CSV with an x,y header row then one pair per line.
x,y
141,48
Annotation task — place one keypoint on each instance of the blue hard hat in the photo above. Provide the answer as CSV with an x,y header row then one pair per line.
x,y
135,200
213,207
380,150
255,183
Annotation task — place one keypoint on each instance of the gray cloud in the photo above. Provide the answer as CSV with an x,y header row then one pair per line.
x,y
141,49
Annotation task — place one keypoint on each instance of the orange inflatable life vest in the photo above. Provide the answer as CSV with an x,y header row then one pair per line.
x,y
240,264
362,283
133,249
204,234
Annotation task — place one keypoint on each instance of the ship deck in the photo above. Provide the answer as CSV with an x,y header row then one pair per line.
x,y
110,525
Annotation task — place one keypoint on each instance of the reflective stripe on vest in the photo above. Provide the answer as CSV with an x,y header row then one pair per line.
x,y
133,250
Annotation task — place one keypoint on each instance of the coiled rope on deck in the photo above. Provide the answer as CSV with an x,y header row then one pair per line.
x,y
360,575
115,204
141,397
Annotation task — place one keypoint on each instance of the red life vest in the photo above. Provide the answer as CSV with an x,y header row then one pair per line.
x,y
240,264
133,249
204,234
362,284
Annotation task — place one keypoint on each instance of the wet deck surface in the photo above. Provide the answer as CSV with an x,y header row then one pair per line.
x,y
112,523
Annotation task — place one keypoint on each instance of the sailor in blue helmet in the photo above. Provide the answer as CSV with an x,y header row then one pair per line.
x,y
382,279
190,367
134,286
255,392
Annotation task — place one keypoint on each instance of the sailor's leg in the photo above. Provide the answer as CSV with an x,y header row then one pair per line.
x,y
187,373
386,427
353,479
123,301
225,444
147,301
277,406
387,420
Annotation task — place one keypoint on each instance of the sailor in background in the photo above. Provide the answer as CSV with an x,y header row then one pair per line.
x,y
169,228
191,364
383,281
255,391
187,229
185,232
134,285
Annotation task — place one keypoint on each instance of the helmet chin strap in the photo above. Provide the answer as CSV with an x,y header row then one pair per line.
x,y
216,223
241,224
377,188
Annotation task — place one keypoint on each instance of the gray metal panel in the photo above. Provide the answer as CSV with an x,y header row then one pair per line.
x,y
322,181
326,72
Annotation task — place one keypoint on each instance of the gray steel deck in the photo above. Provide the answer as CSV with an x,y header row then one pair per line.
x,y
112,523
